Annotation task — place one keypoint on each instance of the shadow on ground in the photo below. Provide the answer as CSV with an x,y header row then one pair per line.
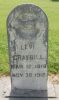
x,y
28,99
43,96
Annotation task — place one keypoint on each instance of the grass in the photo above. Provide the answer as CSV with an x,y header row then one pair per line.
x,y
52,10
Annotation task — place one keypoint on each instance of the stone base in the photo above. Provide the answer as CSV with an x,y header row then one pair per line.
x,y
50,92
29,93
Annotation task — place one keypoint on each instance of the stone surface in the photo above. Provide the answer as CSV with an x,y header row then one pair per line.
x,y
27,27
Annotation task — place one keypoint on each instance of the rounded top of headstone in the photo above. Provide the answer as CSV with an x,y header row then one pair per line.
x,y
27,21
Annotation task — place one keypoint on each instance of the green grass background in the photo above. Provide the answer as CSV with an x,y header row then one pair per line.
x,y
51,8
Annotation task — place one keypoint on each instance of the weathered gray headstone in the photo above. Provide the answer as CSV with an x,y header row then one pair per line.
x,y
27,27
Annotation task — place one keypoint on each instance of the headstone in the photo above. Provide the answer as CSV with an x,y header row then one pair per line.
x,y
27,27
